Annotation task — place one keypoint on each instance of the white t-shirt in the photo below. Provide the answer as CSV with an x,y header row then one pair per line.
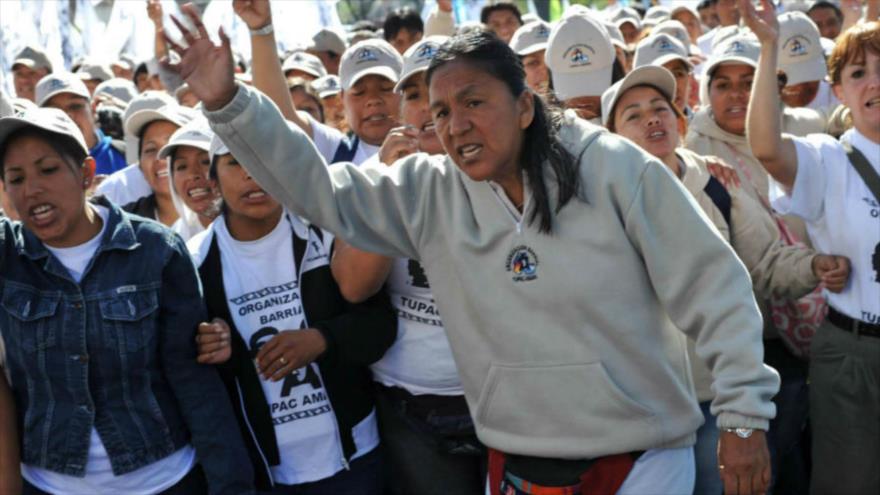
x,y
125,186
327,140
841,214
262,285
420,360
99,477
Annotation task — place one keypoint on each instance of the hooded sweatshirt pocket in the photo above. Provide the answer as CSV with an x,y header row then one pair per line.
x,y
562,401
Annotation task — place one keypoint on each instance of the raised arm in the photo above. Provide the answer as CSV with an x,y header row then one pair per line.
x,y
763,124
378,210
266,68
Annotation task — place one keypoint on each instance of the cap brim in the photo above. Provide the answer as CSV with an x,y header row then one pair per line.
x,y
169,148
810,70
398,88
136,122
9,125
665,59
379,70
577,84
29,63
729,61
303,68
532,49
650,75
49,96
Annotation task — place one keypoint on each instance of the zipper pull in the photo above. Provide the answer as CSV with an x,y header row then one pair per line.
x,y
345,464
519,228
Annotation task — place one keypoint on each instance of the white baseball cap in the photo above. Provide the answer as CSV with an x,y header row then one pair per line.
x,y
683,7
32,58
90,70
739,49
196,133
328,40
217,148
615,34
658,13
651,75
57,83
369,57
530,38
417,58
801,55
48,119
580,57
327,86
627,14
174,113
659,49
305,62
119,88
674,28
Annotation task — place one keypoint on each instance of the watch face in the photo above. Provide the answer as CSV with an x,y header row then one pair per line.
x,y
744,432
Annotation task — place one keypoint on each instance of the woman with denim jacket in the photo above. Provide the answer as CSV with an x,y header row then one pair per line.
x,y
99,312
293,354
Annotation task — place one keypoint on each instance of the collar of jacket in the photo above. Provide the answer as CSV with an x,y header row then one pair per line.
x,y
118,234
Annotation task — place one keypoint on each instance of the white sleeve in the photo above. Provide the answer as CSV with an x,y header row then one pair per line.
x,y
807,197
326,139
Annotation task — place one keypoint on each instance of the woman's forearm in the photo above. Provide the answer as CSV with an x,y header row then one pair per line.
x,y
269,78
359,274
764,128
10,469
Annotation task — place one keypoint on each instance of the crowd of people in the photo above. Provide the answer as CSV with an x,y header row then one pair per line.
x,y
629,250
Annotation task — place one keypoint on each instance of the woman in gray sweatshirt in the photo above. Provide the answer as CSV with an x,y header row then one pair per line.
x,y
561,258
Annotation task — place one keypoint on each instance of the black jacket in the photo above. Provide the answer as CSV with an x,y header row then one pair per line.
x,y
357,335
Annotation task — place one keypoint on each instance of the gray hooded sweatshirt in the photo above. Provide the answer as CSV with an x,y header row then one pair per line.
x,y
567,344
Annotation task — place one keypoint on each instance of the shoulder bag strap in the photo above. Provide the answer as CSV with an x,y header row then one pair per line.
x,y
864,168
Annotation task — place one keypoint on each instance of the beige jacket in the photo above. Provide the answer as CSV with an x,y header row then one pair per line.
x,y
568,345
705,138
776,269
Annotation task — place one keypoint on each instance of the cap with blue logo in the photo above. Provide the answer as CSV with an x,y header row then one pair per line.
x,y
327,86
57,83
417,58
304,62
741,49
659,49
801,56
530,38
580,57
369,57
48,119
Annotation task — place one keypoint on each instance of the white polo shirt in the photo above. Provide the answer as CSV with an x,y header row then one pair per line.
x,y
841,214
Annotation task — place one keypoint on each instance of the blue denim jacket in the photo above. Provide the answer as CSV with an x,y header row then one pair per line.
x,y
116,352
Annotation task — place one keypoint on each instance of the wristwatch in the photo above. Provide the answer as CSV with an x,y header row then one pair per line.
x,y
740,432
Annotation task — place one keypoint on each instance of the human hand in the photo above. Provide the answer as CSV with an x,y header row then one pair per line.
x,y
400,142
255,13
288,351
724,173
762,22
213,340
207,68
744,463
154,12
832,270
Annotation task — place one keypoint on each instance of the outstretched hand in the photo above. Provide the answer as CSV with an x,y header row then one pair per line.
x,y
762,22
206,67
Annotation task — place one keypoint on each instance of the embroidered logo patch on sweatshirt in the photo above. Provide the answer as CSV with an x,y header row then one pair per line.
x,y
523,263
